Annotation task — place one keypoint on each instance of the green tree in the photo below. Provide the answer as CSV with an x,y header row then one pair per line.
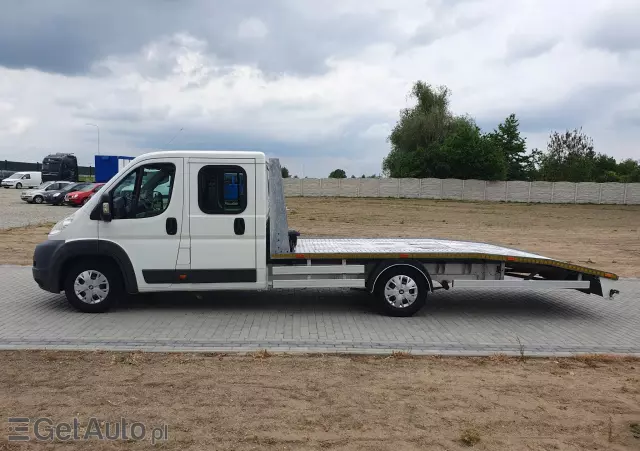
x,y
629,171
285,172
570,157
338,174
430,141
353,176
419,133
471,155
514,149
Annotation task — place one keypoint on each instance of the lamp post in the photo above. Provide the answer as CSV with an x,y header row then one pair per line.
x,y
97,128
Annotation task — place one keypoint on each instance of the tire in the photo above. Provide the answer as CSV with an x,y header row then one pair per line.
x,y
18,185
401,291
38,199
104,295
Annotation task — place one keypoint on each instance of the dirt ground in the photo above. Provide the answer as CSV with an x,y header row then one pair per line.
x,y
325,402
604,237
17,244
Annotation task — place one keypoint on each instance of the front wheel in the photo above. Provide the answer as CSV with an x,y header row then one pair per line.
x,y
38,199
401,291
18,185
93,287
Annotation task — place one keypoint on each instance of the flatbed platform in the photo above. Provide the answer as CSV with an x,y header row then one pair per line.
x,y
423,249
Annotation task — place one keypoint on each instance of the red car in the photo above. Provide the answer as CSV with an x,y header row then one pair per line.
x,y
81,197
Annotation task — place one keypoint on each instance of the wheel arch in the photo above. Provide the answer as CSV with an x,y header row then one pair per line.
x,y
385,265
72,251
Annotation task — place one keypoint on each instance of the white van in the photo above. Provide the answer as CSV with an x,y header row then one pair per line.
x,y
21,180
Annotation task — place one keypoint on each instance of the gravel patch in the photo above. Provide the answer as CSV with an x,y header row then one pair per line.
x,y
14,212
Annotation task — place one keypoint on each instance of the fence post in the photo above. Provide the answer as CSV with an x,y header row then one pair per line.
x,y
321,188
398,190
419,188
339,187
441,188
575,194
378,187
529,198
600,193
506,190
484,195
462,196
553,187
624,199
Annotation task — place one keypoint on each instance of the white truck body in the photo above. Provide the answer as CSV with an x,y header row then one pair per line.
x,y
223,226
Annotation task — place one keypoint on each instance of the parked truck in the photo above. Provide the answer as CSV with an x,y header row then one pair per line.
x,y
169,222
59,167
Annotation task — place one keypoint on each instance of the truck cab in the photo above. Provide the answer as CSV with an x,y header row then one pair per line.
x,y
175,221
60,166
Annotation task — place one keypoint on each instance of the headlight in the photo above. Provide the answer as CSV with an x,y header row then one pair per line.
x,y
61,225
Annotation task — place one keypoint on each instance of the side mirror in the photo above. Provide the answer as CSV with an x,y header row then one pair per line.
x,y
105,212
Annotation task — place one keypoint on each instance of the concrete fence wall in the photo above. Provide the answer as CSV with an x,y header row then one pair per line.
x,y
512,191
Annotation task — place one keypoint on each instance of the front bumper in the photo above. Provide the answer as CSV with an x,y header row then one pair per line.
x,y
45,272
26,198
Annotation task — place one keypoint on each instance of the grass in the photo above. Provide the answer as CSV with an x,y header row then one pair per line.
x,y
470,437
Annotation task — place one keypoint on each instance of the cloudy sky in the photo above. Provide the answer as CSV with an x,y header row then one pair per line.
x,y
317,83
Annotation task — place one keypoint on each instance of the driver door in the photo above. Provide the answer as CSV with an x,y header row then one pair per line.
x,y
146,220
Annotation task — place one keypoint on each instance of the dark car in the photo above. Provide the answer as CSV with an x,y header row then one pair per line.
x,y
57,197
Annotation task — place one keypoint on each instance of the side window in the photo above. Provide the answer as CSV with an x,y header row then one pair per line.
x,y
222,190
27,176
145,192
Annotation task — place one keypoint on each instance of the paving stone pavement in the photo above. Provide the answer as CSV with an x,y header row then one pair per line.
x,y
464,322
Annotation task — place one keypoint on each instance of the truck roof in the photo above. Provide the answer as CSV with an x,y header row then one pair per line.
x,y
258,156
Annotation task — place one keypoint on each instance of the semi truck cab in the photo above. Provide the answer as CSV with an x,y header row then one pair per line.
x,y
216,220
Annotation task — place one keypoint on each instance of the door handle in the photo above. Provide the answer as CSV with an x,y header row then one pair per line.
x,y
238,226
172,226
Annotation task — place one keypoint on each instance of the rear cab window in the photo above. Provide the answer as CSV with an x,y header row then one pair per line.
x,y
222,189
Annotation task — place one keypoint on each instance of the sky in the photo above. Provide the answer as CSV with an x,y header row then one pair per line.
x,y
317,84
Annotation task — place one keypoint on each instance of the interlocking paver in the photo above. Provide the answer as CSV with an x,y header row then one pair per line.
x,y
467,322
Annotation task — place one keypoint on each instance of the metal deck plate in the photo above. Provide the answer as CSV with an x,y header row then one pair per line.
x,y
402,245
421,248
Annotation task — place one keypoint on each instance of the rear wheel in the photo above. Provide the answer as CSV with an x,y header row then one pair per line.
x,y
38,199
401,291
93,287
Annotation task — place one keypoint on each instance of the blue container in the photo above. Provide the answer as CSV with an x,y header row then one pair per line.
x,y
109,165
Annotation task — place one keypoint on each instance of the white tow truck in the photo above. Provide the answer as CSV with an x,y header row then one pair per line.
x,y
216,220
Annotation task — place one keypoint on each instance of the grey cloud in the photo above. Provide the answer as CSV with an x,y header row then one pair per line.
x,y
581,107
69,36
523,47
617,31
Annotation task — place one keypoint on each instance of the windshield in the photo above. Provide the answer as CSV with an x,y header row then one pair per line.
x,y
51,167
16,175
44,185
86,188
74,187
